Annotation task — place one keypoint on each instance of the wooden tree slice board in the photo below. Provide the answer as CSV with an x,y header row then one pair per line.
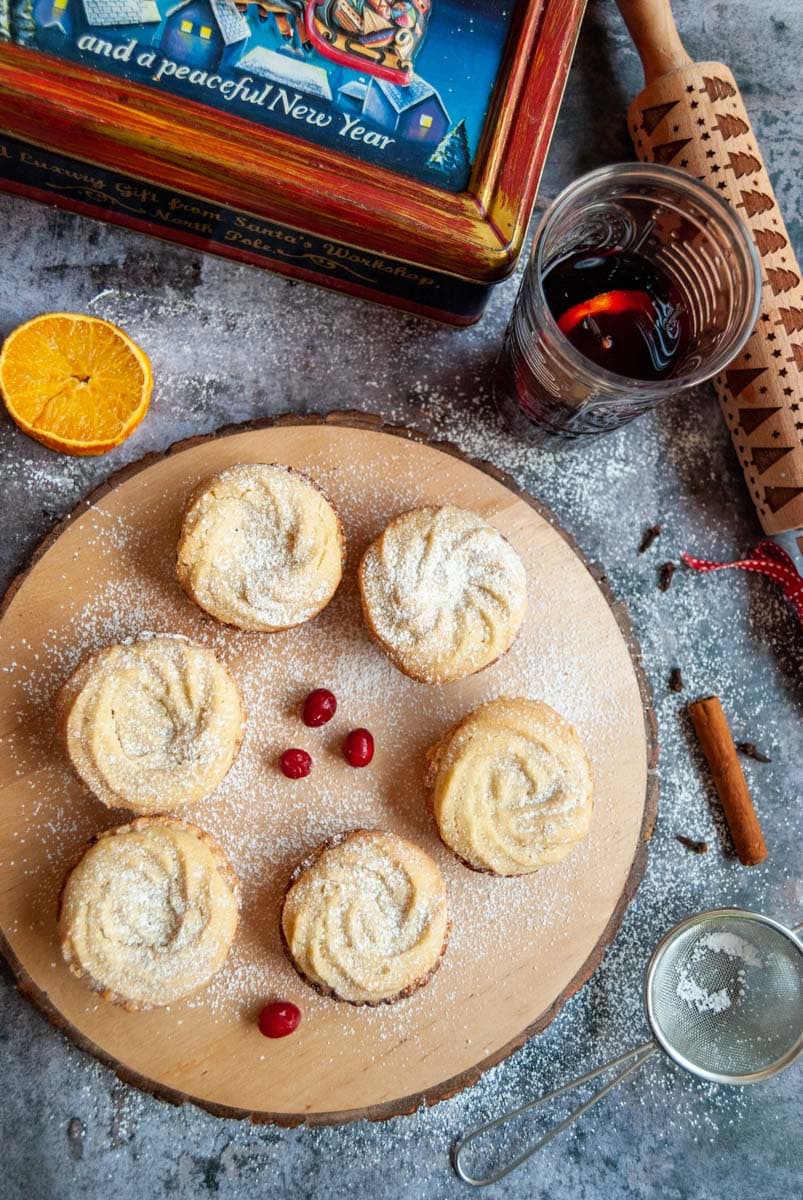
x,y
518,947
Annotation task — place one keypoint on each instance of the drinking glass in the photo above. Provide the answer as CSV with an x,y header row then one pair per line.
x,y
548,389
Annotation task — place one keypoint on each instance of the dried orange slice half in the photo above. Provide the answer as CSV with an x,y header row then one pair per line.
x,y
76,383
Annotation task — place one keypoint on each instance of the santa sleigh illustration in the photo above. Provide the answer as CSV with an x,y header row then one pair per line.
x,y
379,37
375,36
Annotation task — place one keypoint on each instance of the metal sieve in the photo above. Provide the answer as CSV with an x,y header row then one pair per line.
x,y
724,998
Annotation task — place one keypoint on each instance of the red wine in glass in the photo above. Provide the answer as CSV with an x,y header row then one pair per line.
x,y
640,284
619,310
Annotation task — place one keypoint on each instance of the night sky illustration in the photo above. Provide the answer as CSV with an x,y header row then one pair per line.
x,y
459,57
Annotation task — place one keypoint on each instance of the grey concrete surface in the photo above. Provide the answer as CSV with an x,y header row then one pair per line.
x,y
228,344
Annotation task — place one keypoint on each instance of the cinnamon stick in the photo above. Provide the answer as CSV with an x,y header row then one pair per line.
x,y
711,726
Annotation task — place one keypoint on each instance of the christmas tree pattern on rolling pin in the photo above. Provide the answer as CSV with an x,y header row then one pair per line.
x,y
693,119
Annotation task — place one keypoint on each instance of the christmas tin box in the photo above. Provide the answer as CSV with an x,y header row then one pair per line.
x,y
388,148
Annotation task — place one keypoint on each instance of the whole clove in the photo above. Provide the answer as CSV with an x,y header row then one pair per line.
x,y
76,1132
691,844
665,573
648,537
676,680
749,750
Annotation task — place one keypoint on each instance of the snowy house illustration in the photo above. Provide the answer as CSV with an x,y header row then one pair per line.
x,y
112,20
133,14
203,33
351,96
414,112
286,71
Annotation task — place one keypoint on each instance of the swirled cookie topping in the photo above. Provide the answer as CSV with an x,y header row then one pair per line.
x,y
149,913
443,592
153,725
511,787
365,917
260,548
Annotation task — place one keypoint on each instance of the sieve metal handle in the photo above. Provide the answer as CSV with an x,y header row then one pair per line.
x,y
640,1054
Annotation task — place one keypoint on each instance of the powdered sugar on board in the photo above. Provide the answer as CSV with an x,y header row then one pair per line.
x,y
267,823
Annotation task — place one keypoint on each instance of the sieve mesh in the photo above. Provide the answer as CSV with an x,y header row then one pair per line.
x,y
725,996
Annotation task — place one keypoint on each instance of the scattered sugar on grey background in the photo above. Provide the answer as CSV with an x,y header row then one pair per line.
x,y
229,344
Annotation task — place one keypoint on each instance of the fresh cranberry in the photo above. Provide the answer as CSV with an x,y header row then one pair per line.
x,y
279,1018
358,748
295,764
319,707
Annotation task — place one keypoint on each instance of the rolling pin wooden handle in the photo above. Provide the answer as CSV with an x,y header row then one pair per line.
x,y
692,118
655,34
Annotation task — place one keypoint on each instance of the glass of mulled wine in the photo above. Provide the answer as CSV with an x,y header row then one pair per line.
x,y
642,283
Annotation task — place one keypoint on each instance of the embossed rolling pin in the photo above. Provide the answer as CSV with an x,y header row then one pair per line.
x,y
690,116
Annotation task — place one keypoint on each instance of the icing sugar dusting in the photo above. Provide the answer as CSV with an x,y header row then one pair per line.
x,y
675,466
266,823
259,547
692,988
